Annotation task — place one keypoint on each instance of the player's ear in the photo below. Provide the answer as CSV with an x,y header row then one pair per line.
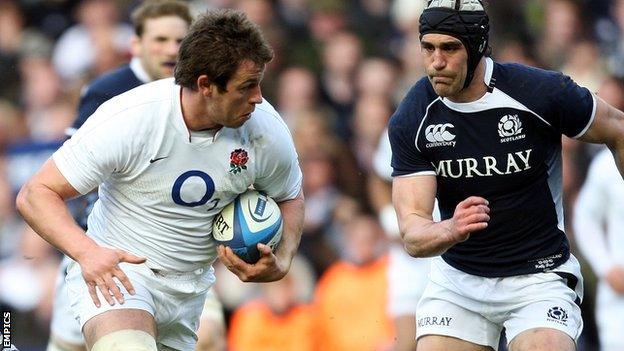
x,y
205,86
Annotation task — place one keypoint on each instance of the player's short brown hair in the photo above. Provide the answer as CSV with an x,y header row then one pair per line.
x,y
159,8
217,43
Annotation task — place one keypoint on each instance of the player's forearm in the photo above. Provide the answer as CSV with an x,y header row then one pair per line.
x,y
423,237
46,212
292,213
617,149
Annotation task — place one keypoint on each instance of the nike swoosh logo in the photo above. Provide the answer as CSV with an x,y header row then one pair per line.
x,y
157,159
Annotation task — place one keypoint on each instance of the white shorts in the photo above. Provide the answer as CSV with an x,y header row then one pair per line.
x,y
175,300
407,279
610,318
213,310
64,325
475,309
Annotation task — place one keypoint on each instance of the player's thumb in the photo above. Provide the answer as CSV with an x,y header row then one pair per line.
x,y
130,258
265,250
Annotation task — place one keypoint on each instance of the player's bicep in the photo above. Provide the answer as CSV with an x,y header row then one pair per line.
x,y
413,198
51,178
607,127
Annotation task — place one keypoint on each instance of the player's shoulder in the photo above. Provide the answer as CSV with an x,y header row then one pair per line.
x,y
115,82
414,105
265,119
137,108
146,96
519,79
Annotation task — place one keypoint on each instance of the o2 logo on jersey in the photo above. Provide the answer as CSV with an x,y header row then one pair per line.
x,y
185,187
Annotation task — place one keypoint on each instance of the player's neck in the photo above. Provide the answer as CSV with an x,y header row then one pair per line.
x,y
476,89
194,111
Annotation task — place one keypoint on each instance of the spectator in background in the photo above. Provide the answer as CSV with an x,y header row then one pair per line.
x,y
612,90
262,12
598,223
407,276
351,296
318,243
297,93
11,34
280,318
341,56
96,37
610,31
585,65
27,280
376,77
410,58
562,27
515,51
371,114
597,220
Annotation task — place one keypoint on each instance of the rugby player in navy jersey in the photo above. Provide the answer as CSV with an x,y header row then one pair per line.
x,y
485,139
159,28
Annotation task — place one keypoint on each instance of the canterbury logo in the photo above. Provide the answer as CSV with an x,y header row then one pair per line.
x,y
439,133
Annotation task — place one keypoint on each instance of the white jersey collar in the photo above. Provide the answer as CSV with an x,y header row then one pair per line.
x,y
139,71
200,138
487,78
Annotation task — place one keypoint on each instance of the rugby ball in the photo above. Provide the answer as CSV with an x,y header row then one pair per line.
x,y
251,218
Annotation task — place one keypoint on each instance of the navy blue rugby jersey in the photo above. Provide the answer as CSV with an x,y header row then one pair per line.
x,y
103,89
505,147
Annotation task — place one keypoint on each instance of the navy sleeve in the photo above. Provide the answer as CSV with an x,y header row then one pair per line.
x,y
403,128
553,96
103,89
572,106
89,102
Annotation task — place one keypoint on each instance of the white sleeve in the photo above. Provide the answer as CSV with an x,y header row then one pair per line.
x,y
589,218
97,150
279,174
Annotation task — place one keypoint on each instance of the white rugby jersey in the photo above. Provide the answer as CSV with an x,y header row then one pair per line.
x,y
160,185
599,215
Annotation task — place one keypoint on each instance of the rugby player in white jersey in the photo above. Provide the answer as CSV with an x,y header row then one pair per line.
x,y
598,223
159,28
161,156
484,138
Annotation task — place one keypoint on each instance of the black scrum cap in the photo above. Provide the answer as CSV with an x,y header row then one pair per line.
x,y
465,20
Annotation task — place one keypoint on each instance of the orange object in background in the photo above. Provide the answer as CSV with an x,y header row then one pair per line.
x,y
351,302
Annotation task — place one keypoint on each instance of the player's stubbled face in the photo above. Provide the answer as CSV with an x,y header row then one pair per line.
x,y
446,63
158,46
233,107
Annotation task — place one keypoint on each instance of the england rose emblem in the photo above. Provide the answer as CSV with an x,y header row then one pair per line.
x,y
238,160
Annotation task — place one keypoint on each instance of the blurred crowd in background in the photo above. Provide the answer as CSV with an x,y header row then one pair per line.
x,y
340,69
